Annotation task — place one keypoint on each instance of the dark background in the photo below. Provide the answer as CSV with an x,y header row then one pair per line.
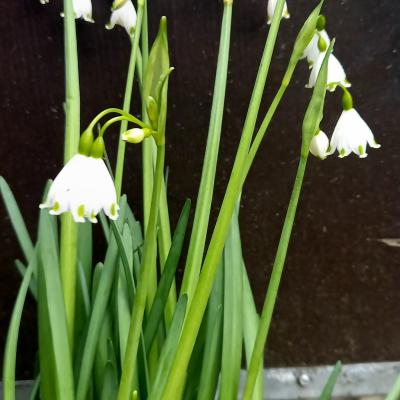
x,y
340,293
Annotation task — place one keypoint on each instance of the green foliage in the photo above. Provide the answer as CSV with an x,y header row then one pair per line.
x,y
330,384
314,113
17,221
130,338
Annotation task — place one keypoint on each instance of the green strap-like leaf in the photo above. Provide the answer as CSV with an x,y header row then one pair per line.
x,y
212,348
314,113
10,352
17,221
330,384
168,350
233,305
155,316
51,294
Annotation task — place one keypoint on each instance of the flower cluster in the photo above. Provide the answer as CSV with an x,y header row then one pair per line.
x,y
123,13
351,133
84,186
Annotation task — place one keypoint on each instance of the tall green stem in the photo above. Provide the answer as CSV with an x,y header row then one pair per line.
x,y
69,233
204,198
147,160
214,252
139,305
119,168
272,292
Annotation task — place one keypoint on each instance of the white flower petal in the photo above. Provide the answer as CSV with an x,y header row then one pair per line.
x,y
124,16
312,51
351,134
271,9
83,187
83,9
336,73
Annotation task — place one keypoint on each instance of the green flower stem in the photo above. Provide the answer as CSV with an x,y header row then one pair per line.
x,y
269,115
119,168
214,252
147,162
107,111
272,292
145,36
69,232
113,121
139,305
204,198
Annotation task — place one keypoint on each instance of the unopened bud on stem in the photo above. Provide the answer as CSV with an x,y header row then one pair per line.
x,y
136,135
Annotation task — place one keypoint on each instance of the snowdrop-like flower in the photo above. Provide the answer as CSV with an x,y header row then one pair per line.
x,y
82,9
83,187
313,51
319,145
271,8
351,134
124,15
336,74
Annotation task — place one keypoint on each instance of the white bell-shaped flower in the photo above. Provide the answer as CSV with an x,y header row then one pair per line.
x,y
319,145
83,9
336,74
351,134
312,51
125,15
83,187
271,9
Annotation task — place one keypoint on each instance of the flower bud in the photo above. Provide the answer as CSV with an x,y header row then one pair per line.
x,y
152,111
136,135
319,145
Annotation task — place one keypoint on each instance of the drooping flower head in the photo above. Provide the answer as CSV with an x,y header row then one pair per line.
x,y
318,44
319,145
271,9
84,186
351,133
336,74
124,14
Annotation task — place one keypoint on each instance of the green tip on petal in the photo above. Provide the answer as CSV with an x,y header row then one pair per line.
x,y
322,45
81,210
113,210
56,206
342,153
